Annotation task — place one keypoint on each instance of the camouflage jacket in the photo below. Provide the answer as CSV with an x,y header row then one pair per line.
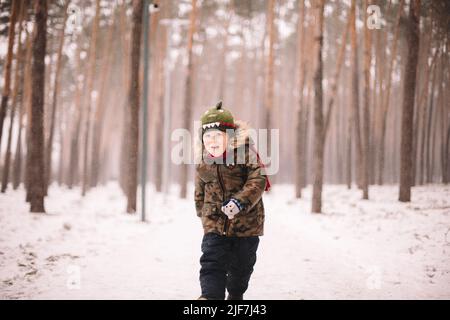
x,y
219,180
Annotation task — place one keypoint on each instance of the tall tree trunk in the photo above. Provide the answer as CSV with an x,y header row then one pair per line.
x,y
24,110
444,110
309,61
17,75
355,95
36,138
446,156
88,104
134,106
17,165
56,80
64,143
73,169
428,163
8,64
318,115
125,53
348,137
348,172
424,54
434,124
366,111
378,54
187,106
377,96
422,106
306,131
301,61
159,126
28,107
406,148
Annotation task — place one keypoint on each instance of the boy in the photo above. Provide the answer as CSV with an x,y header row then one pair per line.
x,y
229,184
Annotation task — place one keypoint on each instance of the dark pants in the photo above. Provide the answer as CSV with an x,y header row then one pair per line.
x,y
226,263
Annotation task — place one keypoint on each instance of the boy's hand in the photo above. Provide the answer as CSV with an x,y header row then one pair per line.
x,y
231,208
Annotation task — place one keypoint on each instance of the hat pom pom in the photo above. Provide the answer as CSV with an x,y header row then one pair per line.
x,y
219,105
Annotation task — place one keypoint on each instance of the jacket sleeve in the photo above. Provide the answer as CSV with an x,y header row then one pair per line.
x,y
254,187
199,194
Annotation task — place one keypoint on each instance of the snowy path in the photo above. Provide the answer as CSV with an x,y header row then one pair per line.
x,y
378,248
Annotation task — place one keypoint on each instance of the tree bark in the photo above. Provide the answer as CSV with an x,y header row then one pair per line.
x,y
36,138
134,106
125,53
355,96
72,177
348,172
366,111
446,155
422,106
17,75
424,54
8,64
428,163
444,111
301,60
406,147
24,110
318,116
159,100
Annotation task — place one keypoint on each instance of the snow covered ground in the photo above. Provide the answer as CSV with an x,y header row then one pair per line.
x,y
89,248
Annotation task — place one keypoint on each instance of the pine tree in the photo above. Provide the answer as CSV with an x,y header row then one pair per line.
x,y
133,105
318,114
35,158
406,148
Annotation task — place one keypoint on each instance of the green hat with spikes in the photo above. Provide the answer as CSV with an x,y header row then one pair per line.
x,y
217,118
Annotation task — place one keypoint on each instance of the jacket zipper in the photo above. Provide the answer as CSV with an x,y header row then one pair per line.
x,y
222,186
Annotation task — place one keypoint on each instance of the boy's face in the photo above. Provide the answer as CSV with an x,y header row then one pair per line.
x,y
215,142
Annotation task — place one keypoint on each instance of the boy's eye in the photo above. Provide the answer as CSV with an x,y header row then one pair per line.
x,y
211,136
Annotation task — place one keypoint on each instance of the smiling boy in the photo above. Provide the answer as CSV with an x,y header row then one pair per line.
x,y
229,184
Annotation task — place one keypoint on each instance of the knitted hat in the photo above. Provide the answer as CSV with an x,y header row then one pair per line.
x,y
217,118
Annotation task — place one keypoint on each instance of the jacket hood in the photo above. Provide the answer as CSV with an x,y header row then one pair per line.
x,y
241,135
